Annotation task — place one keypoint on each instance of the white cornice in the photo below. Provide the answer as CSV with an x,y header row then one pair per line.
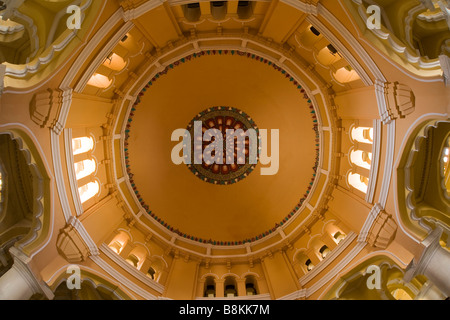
x,y
78,226
380,93
59,177
373,214
388,163
300,5
296,295
376,154
142,9
130,269
60,122
71,171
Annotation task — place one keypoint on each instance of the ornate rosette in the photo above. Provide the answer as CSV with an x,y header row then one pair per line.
x,y
225,170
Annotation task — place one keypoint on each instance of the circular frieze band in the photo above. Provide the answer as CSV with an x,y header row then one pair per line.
x,y
315,127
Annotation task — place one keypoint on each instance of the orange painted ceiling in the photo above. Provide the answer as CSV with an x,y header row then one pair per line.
x,y
207,211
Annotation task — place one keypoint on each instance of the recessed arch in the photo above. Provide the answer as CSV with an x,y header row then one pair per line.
x,y
350,283
120,240
209,274
94,277
42,193
45,61
422,198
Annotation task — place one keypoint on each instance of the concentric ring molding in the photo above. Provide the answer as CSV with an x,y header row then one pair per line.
x,y
320,99
288,63
174,229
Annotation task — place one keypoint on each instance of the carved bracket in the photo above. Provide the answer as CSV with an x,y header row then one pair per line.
x,y
383,231
71,245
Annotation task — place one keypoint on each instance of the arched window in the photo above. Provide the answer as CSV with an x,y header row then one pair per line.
x,y
99,81
82,145
156,267
358,182
192,11
338,237
151,273
116,247
244,9
210,287
324,251
362,134
84,168
332,49
218,9
88,191
230,287
133,260
119,242
362,159
137,256
314,31
250,286
327,57
346,75
309,265
115,62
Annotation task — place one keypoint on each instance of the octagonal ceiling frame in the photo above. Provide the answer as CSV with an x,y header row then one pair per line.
x,y
195,48
120,15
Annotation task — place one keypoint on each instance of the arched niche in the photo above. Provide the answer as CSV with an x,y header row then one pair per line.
x,y
35,198
119,242
361,282
423,200
230,287
209,289
93,286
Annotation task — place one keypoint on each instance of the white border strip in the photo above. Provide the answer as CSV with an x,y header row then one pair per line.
x,y
130,269
70,168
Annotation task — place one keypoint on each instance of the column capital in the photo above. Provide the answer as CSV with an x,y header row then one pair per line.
x,y
22,268
433,262
21,264
431,244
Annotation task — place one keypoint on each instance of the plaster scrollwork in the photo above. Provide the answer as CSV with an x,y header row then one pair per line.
x,y
417,180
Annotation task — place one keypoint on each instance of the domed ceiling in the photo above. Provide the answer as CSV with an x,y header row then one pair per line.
x,y
222,85
163,75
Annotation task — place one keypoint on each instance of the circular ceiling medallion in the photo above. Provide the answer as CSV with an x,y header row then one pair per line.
x,y
227,148
154,177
